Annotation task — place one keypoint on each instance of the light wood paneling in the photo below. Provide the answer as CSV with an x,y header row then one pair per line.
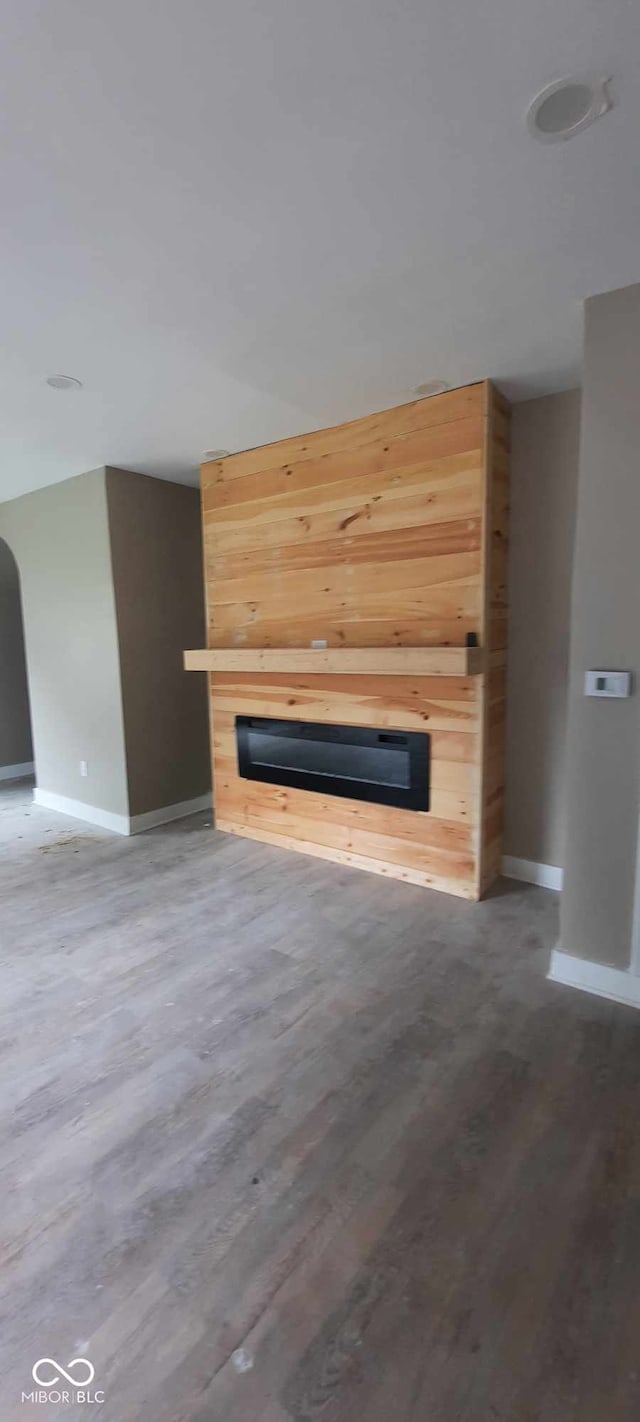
x,y
386,535
370,661
494,580
437,846
395,545
449,408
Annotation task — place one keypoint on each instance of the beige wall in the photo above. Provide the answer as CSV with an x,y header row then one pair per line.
x,y
603,745
111,571
544,473
60,539
156,551
15,723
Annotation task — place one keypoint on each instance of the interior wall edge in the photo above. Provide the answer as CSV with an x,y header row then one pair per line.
x,y
155,549
602,780
162,816
79,810
599,979
544,484
59,538
119,824
529,871
17,772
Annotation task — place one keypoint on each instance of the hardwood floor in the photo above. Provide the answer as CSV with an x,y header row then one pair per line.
x,y
284,1141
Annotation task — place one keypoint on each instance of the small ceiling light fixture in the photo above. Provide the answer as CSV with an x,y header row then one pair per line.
x,y
567,106
209,454
64,382
431,387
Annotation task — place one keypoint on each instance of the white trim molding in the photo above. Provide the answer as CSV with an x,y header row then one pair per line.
x,y
120,824
91,814
17,772
635,925
547,876
139,823
617,984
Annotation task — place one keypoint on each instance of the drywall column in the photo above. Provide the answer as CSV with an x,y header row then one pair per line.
x,y
544,479
59,537
111,571
156,554
603,740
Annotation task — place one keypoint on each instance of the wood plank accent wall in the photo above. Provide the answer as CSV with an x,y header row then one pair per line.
x,y
386,532
495,558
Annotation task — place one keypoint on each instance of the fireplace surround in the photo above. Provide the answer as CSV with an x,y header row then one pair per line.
x,y
356,578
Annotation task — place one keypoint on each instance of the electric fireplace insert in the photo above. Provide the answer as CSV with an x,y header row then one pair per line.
x,y
357,762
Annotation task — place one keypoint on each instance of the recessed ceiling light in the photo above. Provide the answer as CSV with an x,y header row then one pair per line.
x,y
567,106
64,382
431,387
209,454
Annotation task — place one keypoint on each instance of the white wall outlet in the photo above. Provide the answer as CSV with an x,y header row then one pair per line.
x,y
84,768
319,643
607,683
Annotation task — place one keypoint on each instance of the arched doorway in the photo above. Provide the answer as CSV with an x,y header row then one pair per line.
x,y
16,745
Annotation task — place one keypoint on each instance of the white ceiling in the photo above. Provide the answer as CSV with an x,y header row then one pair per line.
x,y
238,219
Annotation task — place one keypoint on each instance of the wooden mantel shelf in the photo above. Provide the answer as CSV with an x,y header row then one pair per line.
x,y
349,661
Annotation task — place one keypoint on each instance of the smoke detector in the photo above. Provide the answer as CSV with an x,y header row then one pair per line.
x,y
567,106
209,454
64,382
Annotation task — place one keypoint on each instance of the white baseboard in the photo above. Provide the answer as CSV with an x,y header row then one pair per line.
x,y
598,978
140,823
547,876
16,772
118,824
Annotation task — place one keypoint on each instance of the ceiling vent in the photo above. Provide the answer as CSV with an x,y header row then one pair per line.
x,y
567,106
64,382
431,387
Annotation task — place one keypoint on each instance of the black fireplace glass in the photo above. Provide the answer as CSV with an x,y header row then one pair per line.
x,y
387,767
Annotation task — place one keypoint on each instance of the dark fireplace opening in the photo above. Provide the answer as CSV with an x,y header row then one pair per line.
x,y
358,762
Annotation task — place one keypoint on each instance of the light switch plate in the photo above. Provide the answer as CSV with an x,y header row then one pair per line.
x,y
607,683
